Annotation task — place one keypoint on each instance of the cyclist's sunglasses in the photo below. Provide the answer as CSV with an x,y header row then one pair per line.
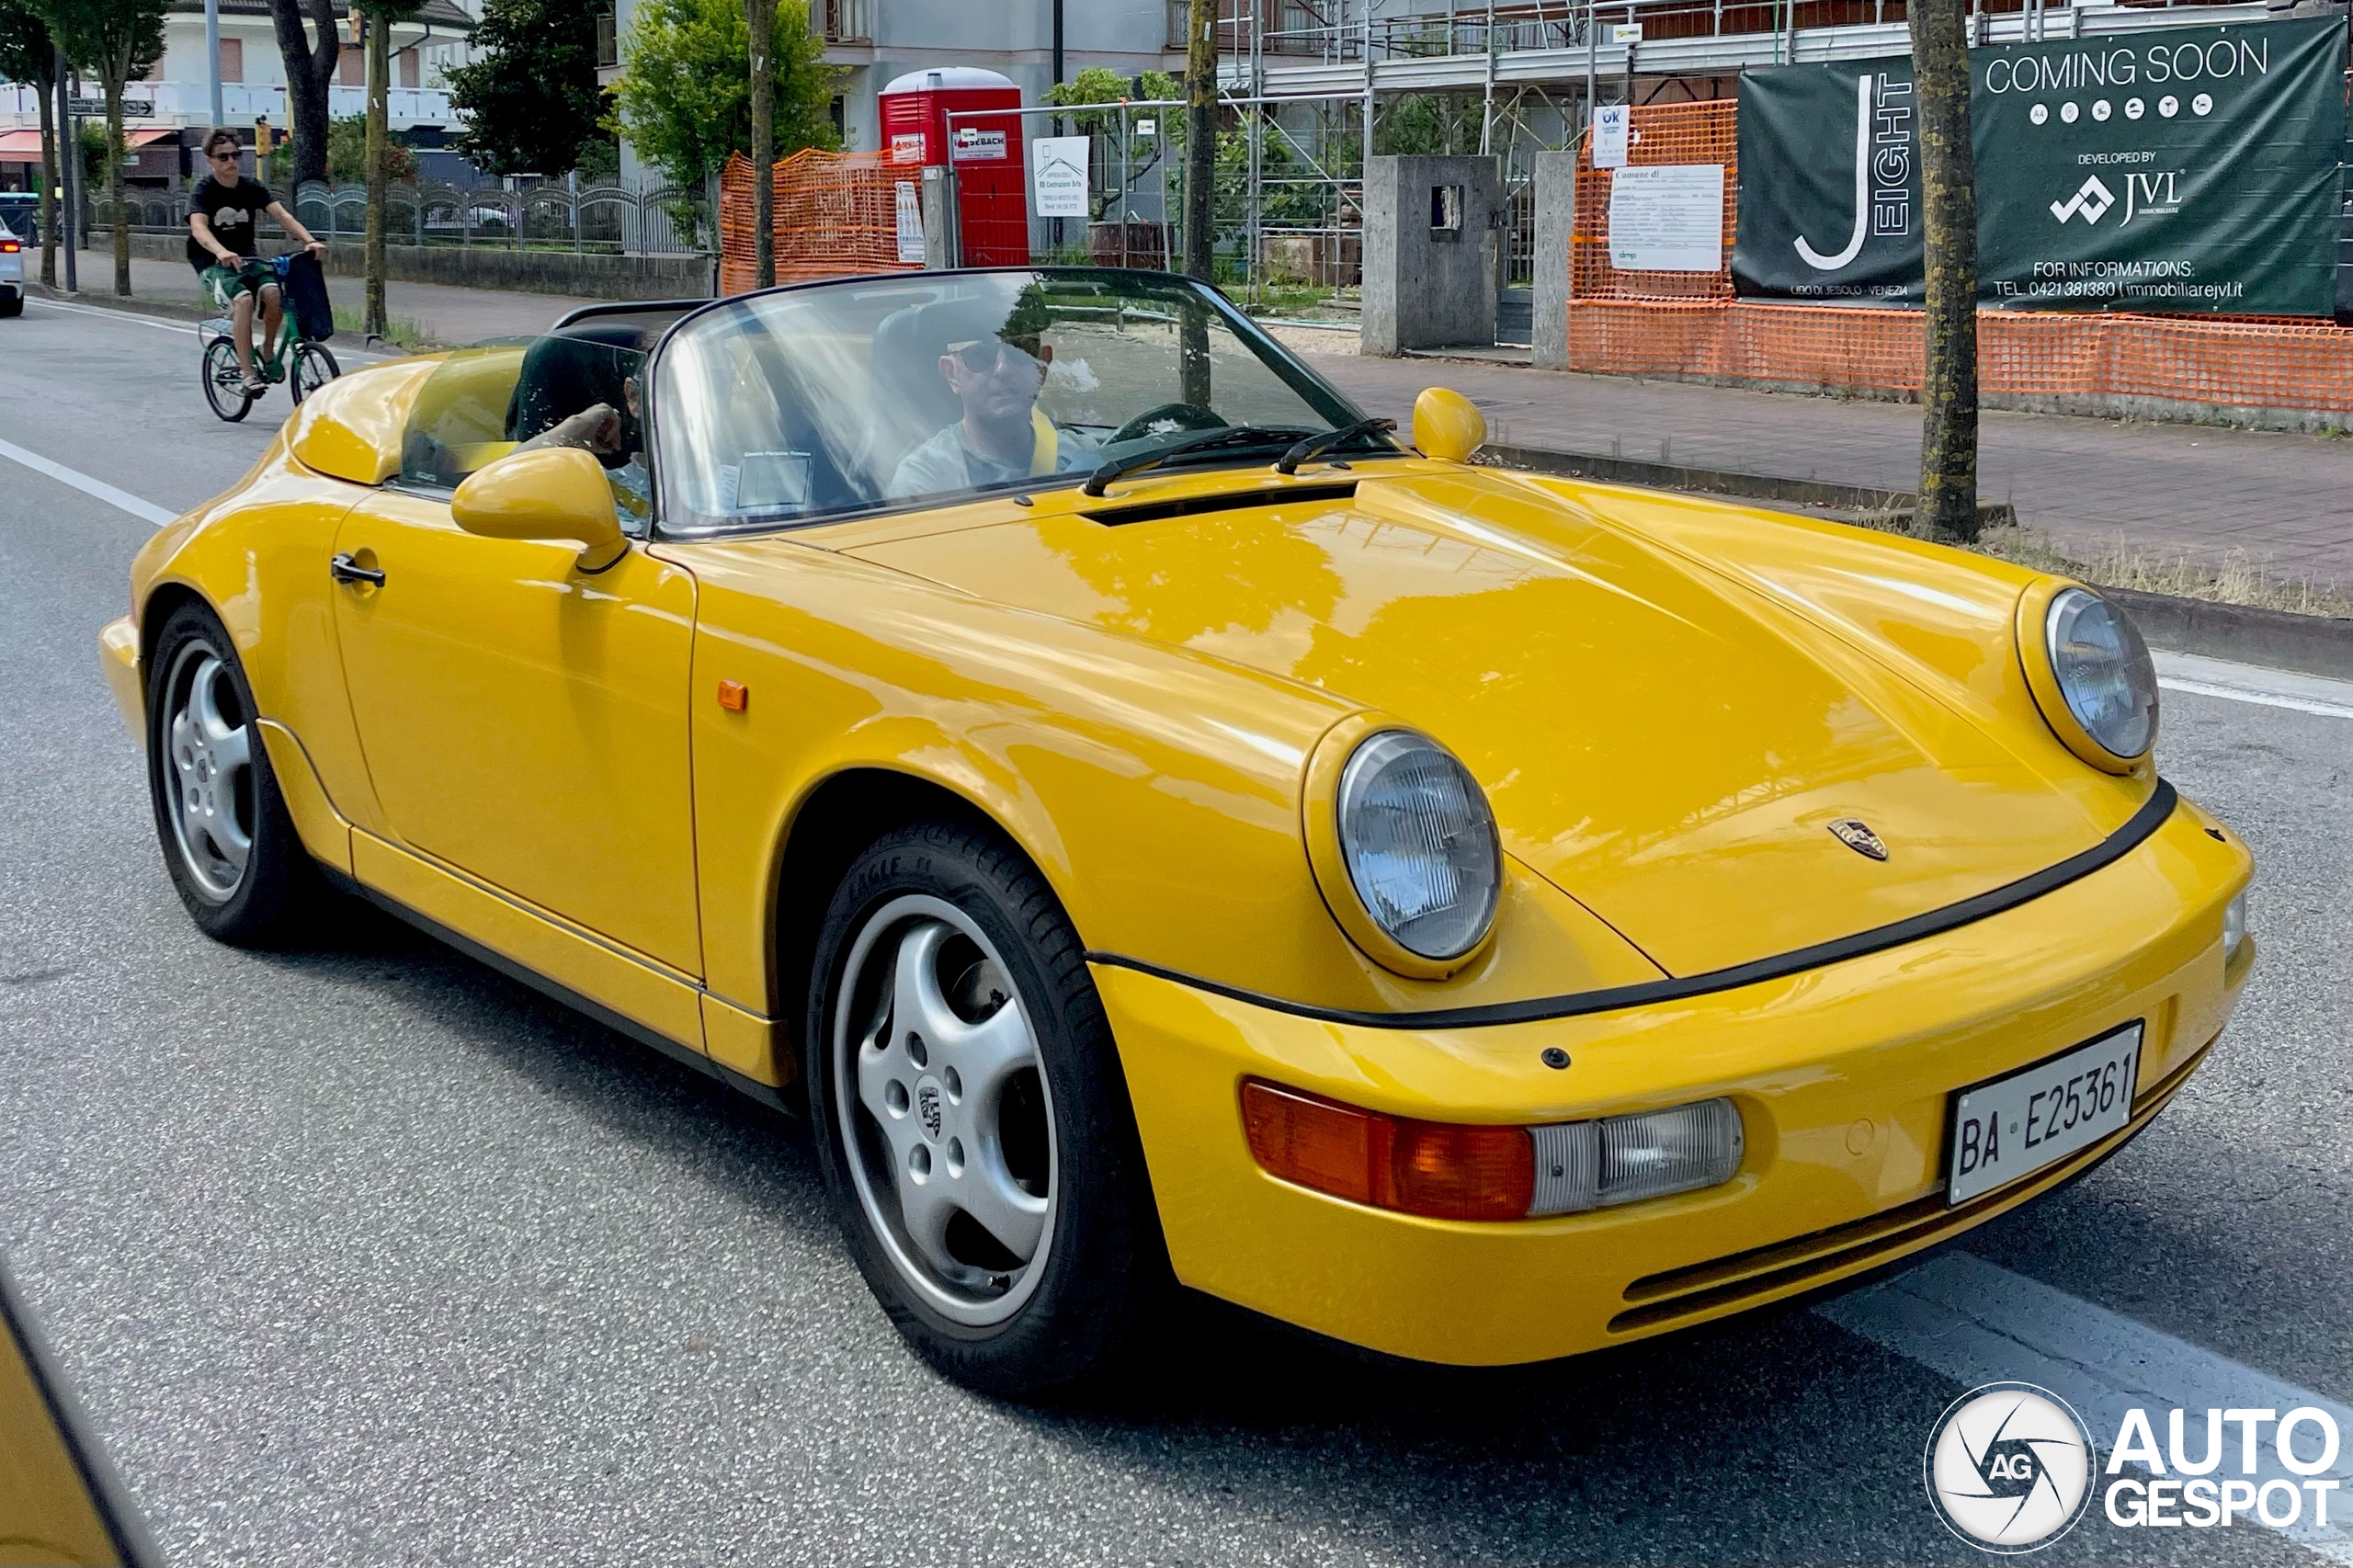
x,y
228,158
992,354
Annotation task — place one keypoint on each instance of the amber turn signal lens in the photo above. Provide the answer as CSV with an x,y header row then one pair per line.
x,y
1438,1169
735,696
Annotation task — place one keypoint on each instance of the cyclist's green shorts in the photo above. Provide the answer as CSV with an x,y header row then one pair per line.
x,y
225,283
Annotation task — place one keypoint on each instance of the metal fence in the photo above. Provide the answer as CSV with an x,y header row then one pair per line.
x,y
572,214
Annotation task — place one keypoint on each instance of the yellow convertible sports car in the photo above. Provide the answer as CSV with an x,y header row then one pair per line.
x,y
1165,829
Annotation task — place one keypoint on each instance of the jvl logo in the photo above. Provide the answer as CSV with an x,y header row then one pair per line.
x,y
2092,200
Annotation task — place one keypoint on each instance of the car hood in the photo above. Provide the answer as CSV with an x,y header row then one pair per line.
x,y
1667,747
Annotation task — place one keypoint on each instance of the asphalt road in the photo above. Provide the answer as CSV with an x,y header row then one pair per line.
x,y
364,1254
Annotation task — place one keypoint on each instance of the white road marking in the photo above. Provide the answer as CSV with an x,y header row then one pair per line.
x,y
145,511
2251,683
133,317
1976,1323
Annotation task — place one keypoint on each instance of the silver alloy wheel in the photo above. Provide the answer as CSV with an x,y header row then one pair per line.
x,y
208,773
947,1122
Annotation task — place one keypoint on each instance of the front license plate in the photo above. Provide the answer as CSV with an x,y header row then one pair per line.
x,y
2016,1125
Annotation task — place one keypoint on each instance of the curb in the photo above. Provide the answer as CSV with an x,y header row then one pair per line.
x,y
2310,644
1727,482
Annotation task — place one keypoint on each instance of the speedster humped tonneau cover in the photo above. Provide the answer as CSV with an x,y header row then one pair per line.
x,y
1666,750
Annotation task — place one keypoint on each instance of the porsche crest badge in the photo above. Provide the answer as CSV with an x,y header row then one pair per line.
x,y
1857,835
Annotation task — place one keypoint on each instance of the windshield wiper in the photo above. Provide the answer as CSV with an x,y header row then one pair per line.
x,y
1136,462
1289,462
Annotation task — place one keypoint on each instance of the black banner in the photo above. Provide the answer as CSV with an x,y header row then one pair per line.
x,y
2176,169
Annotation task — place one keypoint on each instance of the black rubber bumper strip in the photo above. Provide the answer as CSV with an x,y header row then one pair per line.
x,y
2122,842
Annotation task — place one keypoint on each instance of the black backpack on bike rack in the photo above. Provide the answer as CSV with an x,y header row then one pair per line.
x,y
306,296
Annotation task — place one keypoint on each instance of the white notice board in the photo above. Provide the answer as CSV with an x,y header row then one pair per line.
x,y
1668,217
1058,175
1609,127
910,221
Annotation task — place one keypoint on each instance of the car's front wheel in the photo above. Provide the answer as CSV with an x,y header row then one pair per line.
x,y
229,843
972,1116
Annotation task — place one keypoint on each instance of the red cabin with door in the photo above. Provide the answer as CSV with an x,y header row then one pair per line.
x,y
985,151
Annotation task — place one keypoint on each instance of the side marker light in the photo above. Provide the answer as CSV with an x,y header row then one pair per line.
x,y
735,696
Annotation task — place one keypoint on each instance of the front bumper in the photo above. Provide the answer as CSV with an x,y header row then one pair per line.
x,y
1842,1074
118,661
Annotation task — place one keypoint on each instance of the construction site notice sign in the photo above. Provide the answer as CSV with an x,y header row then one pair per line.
x,y
1668,217
2172,169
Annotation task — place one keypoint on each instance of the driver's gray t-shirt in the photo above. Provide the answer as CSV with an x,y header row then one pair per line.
x,y
948,461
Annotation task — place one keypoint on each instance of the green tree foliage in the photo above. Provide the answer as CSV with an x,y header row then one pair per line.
x,y
347,152
1137,155
28,55
117,41
531,92
684,99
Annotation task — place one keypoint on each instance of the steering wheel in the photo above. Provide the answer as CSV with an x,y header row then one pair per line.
x,y
1181,415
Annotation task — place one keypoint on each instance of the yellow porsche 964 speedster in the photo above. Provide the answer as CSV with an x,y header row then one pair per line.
x,y
1167,830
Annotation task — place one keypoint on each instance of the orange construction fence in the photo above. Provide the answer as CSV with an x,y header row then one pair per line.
x,y
836,213
1690,323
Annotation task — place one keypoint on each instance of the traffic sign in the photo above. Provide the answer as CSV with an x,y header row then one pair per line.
x,y
133,108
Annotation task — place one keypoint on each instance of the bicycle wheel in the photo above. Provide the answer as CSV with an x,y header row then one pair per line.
x,y
315,367
224,381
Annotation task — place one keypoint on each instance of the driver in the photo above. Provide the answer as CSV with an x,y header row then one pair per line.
x,y
1002,438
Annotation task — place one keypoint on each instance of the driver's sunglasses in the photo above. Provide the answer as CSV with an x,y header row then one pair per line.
x,y
992,354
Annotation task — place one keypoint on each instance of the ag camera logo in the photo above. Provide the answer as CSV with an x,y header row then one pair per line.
x,y
2009,1467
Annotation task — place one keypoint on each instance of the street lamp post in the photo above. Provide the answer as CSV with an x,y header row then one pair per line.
x,y
212,64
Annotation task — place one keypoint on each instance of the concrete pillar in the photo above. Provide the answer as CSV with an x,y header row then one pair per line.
x,y
1432,229
1556,211
938,220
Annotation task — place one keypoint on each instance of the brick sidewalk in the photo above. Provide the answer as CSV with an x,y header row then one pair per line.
x,y
2285,501
444,315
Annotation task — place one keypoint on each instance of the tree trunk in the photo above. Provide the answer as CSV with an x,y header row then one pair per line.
x,y
310,73
1948,242
1200,137
379,104
50,164
116,71
759,19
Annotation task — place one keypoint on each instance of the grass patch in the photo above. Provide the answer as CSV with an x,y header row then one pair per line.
x,y
399,331
2120,562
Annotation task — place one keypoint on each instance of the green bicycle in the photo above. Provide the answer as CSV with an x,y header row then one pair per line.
x,y
304,364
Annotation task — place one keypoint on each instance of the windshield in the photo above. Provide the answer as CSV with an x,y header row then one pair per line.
x,y
878,393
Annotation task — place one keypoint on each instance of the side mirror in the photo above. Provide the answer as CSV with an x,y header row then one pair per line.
x,y
1447,425
548,492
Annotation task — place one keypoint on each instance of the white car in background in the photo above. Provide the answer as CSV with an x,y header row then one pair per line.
x,y
12,272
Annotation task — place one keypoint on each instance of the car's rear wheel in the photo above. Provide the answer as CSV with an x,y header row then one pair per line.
x,y
971,1116
228,840
224,381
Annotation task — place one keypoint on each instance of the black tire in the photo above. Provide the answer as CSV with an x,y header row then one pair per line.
x,y
1100,1266
315,367
207,793
14,305
224,381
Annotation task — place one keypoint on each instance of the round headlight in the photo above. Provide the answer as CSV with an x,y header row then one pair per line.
x,y
2103,671
1420,845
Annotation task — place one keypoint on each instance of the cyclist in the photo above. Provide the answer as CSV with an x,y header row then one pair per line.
x,y
223,225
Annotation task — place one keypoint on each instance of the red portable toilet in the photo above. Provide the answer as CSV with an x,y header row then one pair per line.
x,y
992,194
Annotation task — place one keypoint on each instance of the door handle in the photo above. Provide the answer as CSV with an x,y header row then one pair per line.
x,y
343,569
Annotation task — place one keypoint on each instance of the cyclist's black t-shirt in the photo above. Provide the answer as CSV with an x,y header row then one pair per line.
x,y
234,211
